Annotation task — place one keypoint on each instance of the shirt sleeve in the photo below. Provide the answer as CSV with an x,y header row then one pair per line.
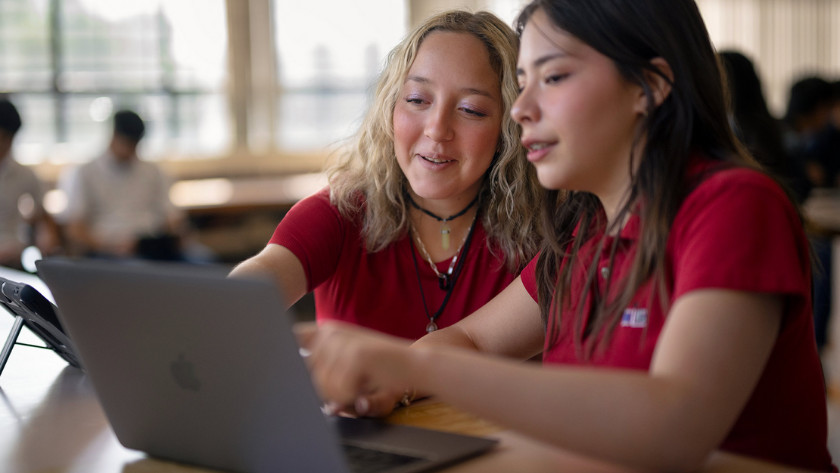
x,y
739,231
71,183
529,278
314,231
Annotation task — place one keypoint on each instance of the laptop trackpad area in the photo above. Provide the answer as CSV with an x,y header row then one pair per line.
x,y
406,449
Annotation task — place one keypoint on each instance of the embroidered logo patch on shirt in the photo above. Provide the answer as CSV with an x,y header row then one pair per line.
x,y
634,318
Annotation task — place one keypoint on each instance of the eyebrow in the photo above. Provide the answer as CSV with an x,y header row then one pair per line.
x,y
542,60
468,90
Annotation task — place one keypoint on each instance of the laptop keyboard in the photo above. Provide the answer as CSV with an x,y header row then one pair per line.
x,y
364,460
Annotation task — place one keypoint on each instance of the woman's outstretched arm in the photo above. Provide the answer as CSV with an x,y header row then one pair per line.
x,y
279,265
709,357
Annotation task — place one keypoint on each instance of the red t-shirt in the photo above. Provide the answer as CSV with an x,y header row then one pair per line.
x,y
381,290
736,230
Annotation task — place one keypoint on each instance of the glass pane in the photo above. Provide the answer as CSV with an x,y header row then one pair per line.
x,y
24,45
142,45
86,137
37,132
166,59
329,55
108,49
177,125
198,49
311,119
185,126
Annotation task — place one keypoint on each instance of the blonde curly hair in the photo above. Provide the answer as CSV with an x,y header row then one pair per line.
x,y
366,181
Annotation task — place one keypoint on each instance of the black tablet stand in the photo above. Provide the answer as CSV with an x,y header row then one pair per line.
x,y
34,311
10,342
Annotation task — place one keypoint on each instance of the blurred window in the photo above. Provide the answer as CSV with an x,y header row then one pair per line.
x,y
329,56
68,64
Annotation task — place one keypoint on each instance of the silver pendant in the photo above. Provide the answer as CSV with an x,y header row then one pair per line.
x,y
431,327
444,236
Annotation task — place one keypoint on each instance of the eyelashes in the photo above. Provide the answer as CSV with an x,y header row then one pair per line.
x,y
471,111
555,78
467,109
550,79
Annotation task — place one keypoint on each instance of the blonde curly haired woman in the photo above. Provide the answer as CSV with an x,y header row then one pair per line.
x,y
432,209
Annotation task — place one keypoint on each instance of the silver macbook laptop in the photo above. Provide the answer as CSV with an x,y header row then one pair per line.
x,y
195,367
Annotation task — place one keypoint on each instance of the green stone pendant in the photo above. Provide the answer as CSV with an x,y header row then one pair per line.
x,y
444,236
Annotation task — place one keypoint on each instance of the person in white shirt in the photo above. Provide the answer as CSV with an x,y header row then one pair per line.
x,y
118,205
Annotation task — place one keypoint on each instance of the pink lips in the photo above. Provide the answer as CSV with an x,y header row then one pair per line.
x,y
535,155
434,159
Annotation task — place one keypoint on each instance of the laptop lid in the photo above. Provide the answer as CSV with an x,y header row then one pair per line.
x,y
193,366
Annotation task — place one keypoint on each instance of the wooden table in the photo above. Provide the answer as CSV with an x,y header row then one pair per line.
x,y
822,210
51,422
222,195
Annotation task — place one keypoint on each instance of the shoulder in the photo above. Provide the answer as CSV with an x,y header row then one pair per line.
x,y
731,207
315,232
316,206
320,199
738,188
352,205
94,166
737,229
345,197
704,172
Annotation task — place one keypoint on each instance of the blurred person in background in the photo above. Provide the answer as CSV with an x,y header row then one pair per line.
x,y
808,129
118,204
23,220
835,108
828,139
814,139
757,128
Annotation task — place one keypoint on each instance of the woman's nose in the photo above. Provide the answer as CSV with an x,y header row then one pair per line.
x,y
524,108
439,125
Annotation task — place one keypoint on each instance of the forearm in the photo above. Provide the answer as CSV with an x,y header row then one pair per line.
x,y
252,267
628,417
452,336
279,265
621,416
512,312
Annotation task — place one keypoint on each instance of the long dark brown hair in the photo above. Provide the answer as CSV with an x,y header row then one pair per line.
x,y
692,118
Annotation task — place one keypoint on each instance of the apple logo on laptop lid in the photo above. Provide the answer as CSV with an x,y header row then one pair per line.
x,y
184,373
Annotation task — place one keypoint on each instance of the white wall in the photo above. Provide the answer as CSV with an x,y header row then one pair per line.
x,y
786,39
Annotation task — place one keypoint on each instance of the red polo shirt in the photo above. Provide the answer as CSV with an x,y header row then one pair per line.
x,y
736,230
381,290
